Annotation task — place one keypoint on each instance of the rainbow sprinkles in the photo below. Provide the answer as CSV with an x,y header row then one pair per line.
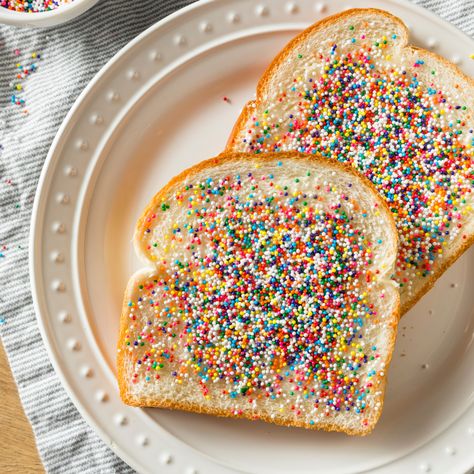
x,y
265,293
365,103
33,6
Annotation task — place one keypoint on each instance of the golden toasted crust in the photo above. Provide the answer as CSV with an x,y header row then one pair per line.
x,y
121,372
278,420
163,194
265,80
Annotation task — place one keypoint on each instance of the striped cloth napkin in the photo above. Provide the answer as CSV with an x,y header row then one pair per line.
x,y
58,63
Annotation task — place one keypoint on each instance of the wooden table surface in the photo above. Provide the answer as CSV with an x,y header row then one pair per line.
x,y
18,452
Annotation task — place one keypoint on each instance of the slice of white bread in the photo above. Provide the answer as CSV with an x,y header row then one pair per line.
x,y
350,87
270,294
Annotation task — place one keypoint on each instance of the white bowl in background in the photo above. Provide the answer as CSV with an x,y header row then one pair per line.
x,y
49,18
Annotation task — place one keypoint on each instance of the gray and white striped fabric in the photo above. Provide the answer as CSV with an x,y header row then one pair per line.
x,y
71,55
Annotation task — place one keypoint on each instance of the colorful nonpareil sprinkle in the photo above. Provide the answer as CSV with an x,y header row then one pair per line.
x,y
33,6
262,296
403,133
24,69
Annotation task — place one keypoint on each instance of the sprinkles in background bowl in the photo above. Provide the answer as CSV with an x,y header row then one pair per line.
x,y
41,13
33,6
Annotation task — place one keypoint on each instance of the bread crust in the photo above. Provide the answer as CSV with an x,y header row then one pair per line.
x,y
277,420
283,54
226,157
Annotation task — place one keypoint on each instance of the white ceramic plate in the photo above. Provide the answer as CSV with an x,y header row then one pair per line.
x,y
155,109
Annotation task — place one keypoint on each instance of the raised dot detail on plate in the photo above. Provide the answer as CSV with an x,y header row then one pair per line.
x,y
291,7
454,285
450,451
205,27
425,467
179,40
166,458
425,366
156,56
191,470
142,440
113,96
233,17
101,396
70,171
133,75
120,420
97,119
456,59
262,10
59,228
431,42
74,345
64,317
63,198
320,7
57,257
82,145
58,286
87,372
470,431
